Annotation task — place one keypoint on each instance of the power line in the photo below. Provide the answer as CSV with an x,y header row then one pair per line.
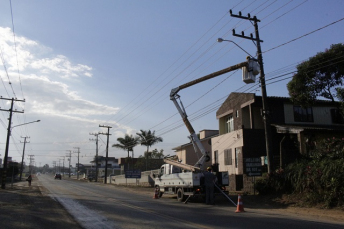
x,y
304,35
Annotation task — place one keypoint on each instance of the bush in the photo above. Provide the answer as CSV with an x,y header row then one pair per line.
x,y
320,176
273,183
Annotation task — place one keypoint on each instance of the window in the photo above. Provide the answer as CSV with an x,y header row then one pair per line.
x,y
228,156
336,116
302,114
237,152
216,156
229,124
237,114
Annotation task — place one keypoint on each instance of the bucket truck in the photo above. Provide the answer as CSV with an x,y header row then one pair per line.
x,y
185,180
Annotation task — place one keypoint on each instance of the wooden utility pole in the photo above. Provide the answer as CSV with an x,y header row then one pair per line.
x,y
266,118
32,161
4,170
22,162
107,150
69,159
77,172
96,140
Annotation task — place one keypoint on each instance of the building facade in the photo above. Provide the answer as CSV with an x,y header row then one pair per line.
x,y
295,130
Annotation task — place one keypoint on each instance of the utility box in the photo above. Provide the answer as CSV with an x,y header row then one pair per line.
x,y
249,73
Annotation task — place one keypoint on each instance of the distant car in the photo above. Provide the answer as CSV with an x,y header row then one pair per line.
x,y
58,176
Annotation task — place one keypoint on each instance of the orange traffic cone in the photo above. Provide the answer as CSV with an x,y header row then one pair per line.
x,y
156,194
240,206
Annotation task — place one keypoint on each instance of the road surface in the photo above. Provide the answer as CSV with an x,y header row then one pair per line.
x,y
106,206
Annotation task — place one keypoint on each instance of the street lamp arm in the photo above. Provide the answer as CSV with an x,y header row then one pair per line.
x,y
25,124
220,40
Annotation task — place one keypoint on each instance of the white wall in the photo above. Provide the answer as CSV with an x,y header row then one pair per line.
x,y
230,140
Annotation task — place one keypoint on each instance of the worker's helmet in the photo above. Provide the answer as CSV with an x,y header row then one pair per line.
x,y
209,168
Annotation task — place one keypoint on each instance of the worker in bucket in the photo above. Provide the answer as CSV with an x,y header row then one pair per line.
x,y
209,180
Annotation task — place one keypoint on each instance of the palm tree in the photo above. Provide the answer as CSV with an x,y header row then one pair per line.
x,y
148,138
127,143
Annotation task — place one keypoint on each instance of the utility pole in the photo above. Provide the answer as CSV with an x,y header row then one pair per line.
x,y
32,161
107,150
96,153
54,165
69,159
59,165
21,166
266,118
4,173
63,167
77,172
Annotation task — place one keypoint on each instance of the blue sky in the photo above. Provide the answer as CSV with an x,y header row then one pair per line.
x,y
79,64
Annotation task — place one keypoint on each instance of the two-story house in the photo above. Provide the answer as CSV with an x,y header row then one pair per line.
x,y
295,130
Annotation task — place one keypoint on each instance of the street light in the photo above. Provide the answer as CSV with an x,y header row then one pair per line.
x,y
220,40
3,184
24,124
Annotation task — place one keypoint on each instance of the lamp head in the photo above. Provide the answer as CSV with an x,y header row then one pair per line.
x,y
219,39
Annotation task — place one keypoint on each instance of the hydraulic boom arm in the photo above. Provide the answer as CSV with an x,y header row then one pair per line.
x,y
174,97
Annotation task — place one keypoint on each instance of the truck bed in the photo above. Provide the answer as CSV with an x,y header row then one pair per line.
x,y
185,179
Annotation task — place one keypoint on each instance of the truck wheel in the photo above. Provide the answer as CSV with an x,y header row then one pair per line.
x,y
180,195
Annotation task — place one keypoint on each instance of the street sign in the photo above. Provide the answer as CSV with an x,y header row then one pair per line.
x,y
253,166
133,174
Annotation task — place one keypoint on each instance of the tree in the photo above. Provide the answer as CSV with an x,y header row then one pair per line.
x,y
157,157
148,138
321,76
155,154
127,143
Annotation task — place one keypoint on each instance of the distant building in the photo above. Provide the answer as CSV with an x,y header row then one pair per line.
x,y
186,153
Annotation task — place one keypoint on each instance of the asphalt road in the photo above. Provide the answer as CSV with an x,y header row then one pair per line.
x,y
105,206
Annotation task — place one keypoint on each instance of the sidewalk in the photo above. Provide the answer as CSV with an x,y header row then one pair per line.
x,y
25,207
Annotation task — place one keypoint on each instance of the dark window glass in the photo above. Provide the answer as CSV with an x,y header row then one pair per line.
x,y
302,114
216,155
336,116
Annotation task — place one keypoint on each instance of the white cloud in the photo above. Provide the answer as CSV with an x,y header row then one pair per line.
x,y
27,54
61,66
52,97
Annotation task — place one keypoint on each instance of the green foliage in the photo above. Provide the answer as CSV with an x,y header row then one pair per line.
x,y
320,177
148,138
127,143
273,183
150,161
155,154
13,169
322,75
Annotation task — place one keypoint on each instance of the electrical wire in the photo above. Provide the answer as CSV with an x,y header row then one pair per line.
x,y
305,35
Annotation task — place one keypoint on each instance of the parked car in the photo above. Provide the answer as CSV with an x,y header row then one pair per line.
x,y
58,176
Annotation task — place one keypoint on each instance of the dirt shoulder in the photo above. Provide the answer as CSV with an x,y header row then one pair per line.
x,y
25,207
